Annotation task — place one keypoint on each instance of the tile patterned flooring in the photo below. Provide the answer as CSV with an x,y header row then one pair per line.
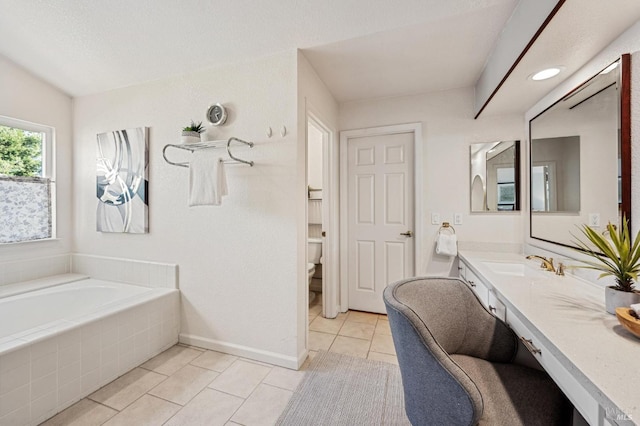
x,y
354,333
185,385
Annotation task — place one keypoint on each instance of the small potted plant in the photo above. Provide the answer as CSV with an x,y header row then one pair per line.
x,y
617,256
191,133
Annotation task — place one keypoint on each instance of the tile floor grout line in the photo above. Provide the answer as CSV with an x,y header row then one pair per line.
x,y
243,402
185,404
226,393
278,387
128,405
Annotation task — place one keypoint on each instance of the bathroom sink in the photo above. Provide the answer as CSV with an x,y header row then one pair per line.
x,y
513,269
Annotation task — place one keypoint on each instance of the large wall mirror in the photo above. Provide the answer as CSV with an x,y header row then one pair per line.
x,y
580,158
495,176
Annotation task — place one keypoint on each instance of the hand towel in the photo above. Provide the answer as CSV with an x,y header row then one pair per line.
x,y
447,245
207,179
636,309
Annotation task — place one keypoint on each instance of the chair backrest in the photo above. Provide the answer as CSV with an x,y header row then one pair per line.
x,y
430,319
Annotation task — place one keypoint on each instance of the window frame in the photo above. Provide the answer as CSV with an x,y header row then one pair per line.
x,y
48,166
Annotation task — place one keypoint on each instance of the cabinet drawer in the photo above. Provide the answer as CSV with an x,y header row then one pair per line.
x,y
478,287
580,398
462,270
496,307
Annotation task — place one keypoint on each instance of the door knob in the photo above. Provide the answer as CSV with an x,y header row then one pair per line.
x,y
407,234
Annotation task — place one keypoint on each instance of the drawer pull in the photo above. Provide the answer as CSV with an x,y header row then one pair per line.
x,y
528,343
492,309
472,284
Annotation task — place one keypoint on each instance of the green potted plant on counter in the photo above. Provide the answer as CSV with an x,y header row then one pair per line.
x,y
617,256
191,133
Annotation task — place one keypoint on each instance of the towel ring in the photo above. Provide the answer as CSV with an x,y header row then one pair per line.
x,y
447,226
606,231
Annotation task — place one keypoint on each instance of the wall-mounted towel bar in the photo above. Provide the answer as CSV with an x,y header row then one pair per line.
x,y
206,145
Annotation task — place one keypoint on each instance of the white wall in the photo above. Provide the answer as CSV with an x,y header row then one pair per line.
x,y
238,261
315,99
26,97
314,158
448,129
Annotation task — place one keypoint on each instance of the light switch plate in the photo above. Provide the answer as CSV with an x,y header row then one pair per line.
x,y
457,218
594,220
435,218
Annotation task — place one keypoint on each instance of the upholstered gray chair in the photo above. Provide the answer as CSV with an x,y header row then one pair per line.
x,y
456,361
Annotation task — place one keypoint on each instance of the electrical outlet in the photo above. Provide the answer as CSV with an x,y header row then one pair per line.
x,y
457,218
435,218
594,220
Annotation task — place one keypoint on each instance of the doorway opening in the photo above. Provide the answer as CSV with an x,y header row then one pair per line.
x,y
322,250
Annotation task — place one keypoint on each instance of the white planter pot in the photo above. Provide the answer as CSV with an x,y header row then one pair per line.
x,y
190,137
615,298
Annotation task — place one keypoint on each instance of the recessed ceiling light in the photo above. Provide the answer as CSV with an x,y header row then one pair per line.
x,y
610,68
545,74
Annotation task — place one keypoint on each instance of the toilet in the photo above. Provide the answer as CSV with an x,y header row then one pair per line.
x,y
315,251
314,258
311,269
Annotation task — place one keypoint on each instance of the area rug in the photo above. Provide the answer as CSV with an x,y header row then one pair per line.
x,y
344,390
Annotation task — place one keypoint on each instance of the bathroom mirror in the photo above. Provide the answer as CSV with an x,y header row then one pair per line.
x,y
495,176
579,171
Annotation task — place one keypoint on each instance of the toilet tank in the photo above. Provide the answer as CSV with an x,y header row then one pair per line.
x,y
315,250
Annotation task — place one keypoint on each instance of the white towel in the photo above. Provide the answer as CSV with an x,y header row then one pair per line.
x,y
207,179
636,309
447,245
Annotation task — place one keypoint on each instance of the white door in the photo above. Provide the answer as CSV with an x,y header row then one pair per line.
x,y
380,242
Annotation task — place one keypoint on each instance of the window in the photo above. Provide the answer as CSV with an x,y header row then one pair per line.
x,y
27,181
506,177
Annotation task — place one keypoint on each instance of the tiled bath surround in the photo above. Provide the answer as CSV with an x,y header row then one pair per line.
x,y
50,372
148,274
26,270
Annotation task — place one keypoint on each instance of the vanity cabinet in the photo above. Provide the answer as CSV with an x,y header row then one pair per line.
x,y
544,312
582,400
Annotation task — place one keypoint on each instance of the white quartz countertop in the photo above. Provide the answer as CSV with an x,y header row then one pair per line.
x,y
570,317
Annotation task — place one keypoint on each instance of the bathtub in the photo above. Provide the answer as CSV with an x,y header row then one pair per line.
x,y
60,343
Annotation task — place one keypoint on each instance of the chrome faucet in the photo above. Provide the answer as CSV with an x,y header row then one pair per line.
x,y
546,263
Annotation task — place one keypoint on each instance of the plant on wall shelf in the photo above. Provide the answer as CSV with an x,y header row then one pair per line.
x,y
194,127
617,256
192,132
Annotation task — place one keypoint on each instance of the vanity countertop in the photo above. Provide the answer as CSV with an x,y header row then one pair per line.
x,y
570,317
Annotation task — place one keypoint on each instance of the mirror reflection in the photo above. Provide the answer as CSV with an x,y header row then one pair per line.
x,y
495,176
575,157
555,174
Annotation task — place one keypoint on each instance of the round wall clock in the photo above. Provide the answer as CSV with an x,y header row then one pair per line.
x,y
217,114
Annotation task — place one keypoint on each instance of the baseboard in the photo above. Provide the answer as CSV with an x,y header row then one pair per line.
x,y
290,362
302,358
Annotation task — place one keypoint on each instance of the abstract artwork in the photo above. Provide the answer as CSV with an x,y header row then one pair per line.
x,y
122,181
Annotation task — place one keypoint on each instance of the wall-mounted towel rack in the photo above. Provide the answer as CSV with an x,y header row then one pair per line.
x,y
206,145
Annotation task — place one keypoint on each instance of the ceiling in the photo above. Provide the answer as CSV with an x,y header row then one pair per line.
x,y
362,49
91,46
445,54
